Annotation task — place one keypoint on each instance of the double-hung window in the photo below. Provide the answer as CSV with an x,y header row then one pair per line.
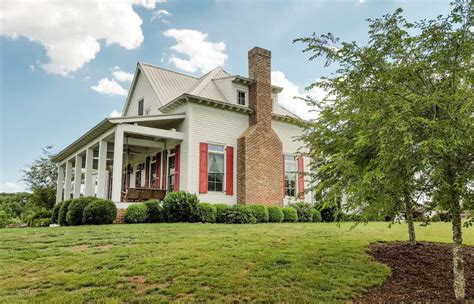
x,y
241,98
291,173
215,175
171,170
153,172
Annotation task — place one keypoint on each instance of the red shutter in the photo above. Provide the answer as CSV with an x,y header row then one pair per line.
x,y
284,177
158,170
163,179
147,172
203,158
229,176
177,153
300,178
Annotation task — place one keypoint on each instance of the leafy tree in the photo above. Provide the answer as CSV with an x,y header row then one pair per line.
x,y
41,177
396,129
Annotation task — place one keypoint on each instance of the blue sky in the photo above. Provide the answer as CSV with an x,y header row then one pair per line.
x,y
51,62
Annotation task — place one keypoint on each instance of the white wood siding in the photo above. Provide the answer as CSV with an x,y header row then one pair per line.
x,y
143,91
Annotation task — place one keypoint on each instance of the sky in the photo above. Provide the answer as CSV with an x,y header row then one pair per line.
x,y
66,65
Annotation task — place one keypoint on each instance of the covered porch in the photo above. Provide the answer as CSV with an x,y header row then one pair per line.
x,y
123,159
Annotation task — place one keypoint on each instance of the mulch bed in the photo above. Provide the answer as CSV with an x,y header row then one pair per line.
x,y
421,273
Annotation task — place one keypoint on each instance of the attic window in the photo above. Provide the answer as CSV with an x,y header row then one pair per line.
x,y
140,108
241,98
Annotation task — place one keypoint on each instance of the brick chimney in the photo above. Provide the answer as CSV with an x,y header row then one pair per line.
x,y
259,149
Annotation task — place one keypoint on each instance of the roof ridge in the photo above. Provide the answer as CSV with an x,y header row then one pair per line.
x,y
203,81
165,69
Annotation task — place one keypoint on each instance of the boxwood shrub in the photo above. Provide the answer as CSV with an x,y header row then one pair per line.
x,y
136,213
305,211
63,212
54,217
206,213
290,214
317,216
100,211
239,214
74,215
260,212
275,215
180,207
220,212
155,213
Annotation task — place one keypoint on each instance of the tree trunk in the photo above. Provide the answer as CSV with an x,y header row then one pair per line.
x,y
458,265
409,219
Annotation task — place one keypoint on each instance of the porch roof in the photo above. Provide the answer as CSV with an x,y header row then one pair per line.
x,y
106,125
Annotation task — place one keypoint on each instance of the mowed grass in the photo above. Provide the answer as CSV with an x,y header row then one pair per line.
x,y
197,262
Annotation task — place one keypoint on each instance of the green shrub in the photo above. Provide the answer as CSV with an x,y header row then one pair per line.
x,y
136,213
7,219
275,215
239,214
290,214
41,214
436,218
206,213
260,212
74,215
41,222
155,212
180,207
304,210
316,216
63,212
100,211
220,212
55,215
328,214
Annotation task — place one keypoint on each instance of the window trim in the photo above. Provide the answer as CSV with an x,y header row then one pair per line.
x,y
238,97
141,102
209,151
296,176
168,156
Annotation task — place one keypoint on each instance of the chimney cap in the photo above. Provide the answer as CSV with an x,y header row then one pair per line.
x,y
260,51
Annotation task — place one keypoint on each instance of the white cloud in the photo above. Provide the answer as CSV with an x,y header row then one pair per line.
x,y
115,113
70,30
199,54
290,90
160,15
109,87
12,187
32,67
122,76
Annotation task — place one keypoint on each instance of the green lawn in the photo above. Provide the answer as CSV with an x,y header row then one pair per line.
x,y
197,262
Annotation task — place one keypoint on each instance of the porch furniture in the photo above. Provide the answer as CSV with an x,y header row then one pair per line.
x,y
143,194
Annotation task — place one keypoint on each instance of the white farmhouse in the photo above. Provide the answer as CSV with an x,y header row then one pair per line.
x,y
221,136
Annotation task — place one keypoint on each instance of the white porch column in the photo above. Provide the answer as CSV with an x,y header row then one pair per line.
x,y
60,184
117,165
77,176
67,181
88,182
101,172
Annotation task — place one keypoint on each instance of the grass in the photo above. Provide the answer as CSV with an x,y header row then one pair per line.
x,y
197,262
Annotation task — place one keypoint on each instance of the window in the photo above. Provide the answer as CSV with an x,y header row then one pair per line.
x,y
140,108
171,165
291,173
215,172
241,98
138,179
153,172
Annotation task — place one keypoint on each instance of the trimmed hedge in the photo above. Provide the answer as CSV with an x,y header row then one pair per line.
x,y
290,214
220,212
136,213
275,215
63,212
54,217
206,213
155,213
239,214
317,216
260,212
180,207
100,211
305,211
74,215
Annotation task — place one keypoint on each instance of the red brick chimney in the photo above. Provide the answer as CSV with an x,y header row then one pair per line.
x,y
259,149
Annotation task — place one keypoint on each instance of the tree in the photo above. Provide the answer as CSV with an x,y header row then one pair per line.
x,y
398,126
41,177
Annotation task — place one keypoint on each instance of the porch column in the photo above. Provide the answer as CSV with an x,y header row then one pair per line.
x,y
117,166
67,181
60,184
77,176
101,172
88,183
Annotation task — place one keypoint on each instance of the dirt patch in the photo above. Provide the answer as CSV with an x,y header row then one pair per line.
x,y
142,286
106,247
79,248
421,273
